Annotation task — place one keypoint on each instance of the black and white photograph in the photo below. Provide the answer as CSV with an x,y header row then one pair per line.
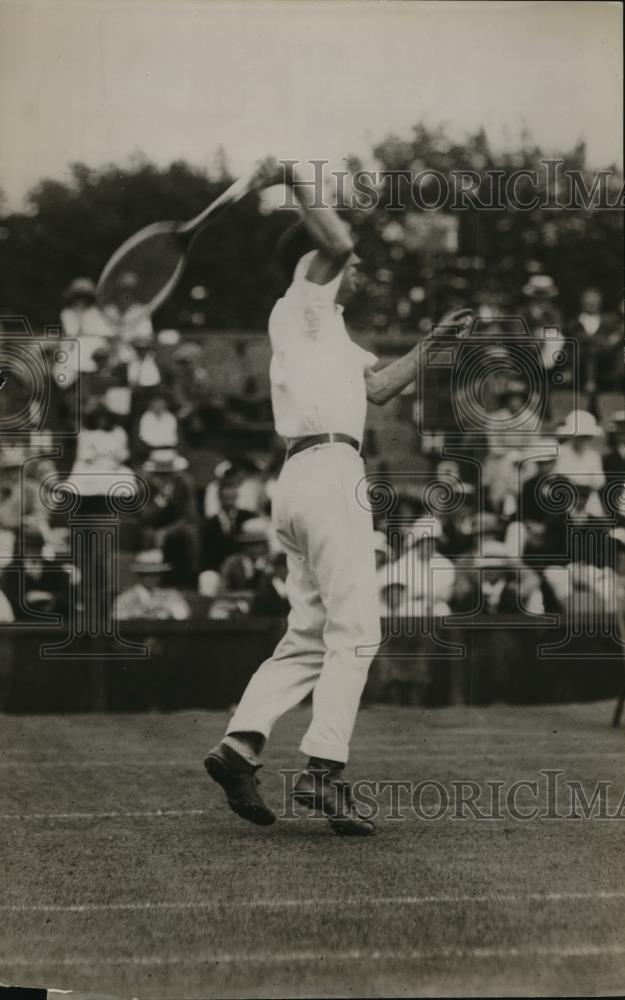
x,y
312,499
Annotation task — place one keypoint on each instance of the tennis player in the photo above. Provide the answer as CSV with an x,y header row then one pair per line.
x,y
320,383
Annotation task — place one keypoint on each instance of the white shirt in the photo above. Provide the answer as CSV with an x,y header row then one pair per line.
x,y
590,323
162,603
92,330
99,460
159,430
143,371
317,371
583,467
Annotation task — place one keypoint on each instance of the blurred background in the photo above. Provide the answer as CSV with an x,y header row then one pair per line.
x,y
126,116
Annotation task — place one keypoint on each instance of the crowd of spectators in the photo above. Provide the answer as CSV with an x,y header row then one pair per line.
x,y
537,531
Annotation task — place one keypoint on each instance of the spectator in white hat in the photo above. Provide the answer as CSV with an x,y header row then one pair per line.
x,y
148,598
499,584
540,310
540,288
168,519
426,575
223,516
82,320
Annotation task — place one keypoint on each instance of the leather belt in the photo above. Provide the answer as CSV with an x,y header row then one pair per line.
x,y
300,444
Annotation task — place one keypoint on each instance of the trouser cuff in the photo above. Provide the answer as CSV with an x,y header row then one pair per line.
x,y
329,751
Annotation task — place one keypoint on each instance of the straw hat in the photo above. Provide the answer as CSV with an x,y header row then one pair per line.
x,y
79,288
253,531
168,338
150,561
540,286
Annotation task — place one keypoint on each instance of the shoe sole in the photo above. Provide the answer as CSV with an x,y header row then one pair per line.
x,y
251,811
342,827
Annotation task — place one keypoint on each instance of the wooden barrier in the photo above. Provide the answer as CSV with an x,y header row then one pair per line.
x,y
206,664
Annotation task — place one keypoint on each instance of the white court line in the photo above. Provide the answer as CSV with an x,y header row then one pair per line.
x,y
148,814
570,729
51,764
417,755
282,958
278,904
129,814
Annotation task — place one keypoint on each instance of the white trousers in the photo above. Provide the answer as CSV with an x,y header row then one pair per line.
x,y
334,625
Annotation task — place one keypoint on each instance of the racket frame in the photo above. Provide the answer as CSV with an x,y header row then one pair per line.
x,y
185,232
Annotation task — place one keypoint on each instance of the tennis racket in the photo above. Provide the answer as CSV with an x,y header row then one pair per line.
x,y
148,266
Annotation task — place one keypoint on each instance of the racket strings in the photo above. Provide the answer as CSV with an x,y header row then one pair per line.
x,y
142,276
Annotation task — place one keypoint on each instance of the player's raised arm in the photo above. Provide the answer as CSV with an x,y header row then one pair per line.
x,y
385,383
328,232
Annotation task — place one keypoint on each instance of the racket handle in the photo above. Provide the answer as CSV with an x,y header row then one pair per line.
x,y
230,196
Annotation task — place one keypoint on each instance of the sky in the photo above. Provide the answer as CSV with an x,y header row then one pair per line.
x,y
101,80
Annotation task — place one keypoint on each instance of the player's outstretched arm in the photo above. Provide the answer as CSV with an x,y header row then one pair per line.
x,y
329,233
384,384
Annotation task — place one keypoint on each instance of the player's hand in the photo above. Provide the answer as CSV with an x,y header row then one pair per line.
x,y
456,322
268,172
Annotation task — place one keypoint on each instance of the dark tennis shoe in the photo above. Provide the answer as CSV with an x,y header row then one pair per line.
x,y
238,779
331,796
